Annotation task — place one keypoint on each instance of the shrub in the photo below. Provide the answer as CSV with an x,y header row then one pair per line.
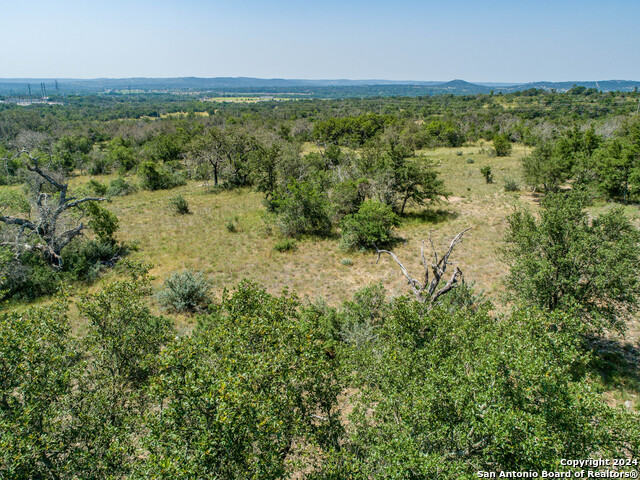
x,y
346,262
186,291
119,187
571,262
470,160
302,208
486,172
232,225
103,222
241,392
156,177
511,185
37,357
502,145
424,396
99,164
97,188
347,196
27,278
179,205
86,260
286,245
372,223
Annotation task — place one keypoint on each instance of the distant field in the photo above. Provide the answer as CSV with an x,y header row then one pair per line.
x,y
245,99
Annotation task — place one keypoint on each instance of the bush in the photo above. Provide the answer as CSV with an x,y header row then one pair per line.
x,y
186,291
103,222
242,392
470,160
302,208
425,398
86,260
37,358
27,278
97,188
347,262
179,205
119,187
486,172
232,225
286,245
511,185
156,177
502,145
372,223
571,262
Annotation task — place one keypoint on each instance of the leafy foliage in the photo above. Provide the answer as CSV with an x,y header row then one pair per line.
x,y
249,388
502,145
444,394
156,177
486,173
373,223
36,365
302,208
103,222
286,245
568,262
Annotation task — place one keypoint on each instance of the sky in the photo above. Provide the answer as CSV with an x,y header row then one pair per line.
x,y
481,41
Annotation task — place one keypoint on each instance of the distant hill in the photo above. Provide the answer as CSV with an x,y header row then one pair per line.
x,y
308,88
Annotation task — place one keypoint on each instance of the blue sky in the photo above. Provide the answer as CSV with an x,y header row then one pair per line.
x,y
499,40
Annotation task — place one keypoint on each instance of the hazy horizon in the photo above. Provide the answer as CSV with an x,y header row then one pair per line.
x,y
480,42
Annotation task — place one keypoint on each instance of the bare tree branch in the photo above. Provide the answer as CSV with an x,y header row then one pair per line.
x,y
415,285
428,292
52,236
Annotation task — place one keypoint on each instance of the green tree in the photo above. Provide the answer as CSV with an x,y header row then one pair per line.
x,y
108,405
156,177
443,394
502,145
545,167
373,223
567,261
396,178
36,363
249,390
617,168
302,208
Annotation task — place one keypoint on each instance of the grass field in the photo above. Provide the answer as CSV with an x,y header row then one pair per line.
x,y
201,241
317,268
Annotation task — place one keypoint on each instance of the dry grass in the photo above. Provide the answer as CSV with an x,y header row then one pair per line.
x,y
200,241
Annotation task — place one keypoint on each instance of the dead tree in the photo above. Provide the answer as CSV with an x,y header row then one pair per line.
x,y
47,234
428,291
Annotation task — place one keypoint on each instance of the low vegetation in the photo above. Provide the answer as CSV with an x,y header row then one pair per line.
x,y
306,314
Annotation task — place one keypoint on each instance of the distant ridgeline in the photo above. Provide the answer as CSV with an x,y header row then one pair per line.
x,y
36,90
